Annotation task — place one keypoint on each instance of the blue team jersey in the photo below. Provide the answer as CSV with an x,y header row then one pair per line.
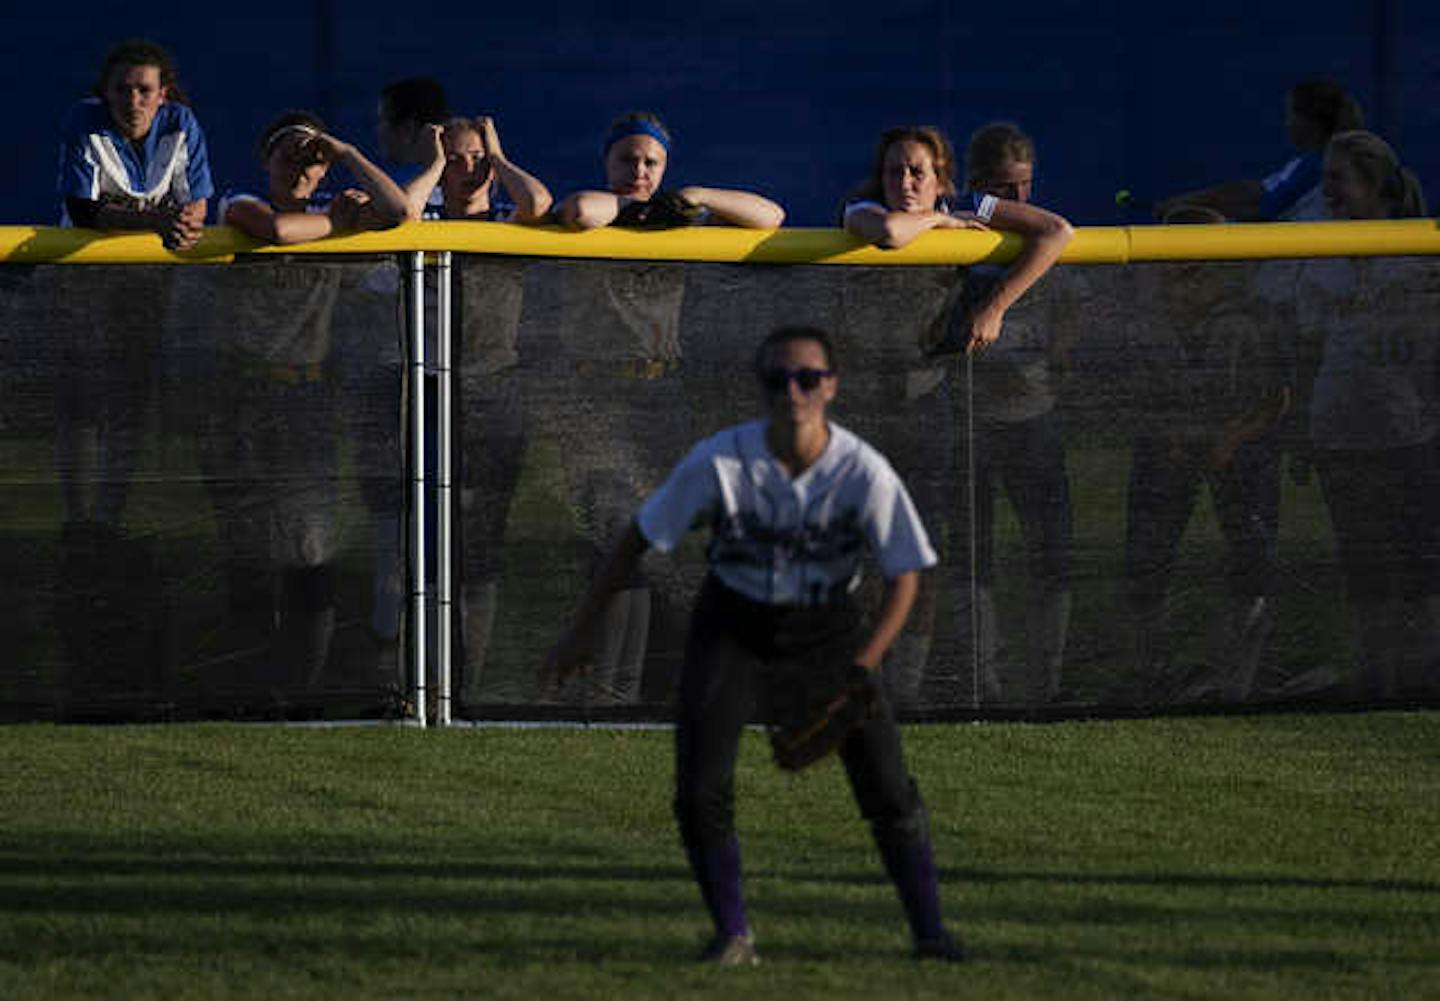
x,y
1289,184
171,162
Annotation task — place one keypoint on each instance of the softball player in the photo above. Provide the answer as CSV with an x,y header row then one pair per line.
x,y
1017,439
269,448
454,168
911,190
637,153
1372,422
1214,372
1315,110
622,359
132,157
792,501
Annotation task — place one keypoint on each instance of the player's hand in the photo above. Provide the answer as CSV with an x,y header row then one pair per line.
x,y
348,208
489,138
985,327
324,147
961,220
435,136
181,226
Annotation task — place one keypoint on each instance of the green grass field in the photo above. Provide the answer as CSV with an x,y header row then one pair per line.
x,y
1260,857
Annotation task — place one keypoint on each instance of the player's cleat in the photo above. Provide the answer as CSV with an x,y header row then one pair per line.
x,y
945,948
731,950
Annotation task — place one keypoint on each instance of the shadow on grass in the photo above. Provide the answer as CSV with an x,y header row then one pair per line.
x,y
244,899
1181,880
66,855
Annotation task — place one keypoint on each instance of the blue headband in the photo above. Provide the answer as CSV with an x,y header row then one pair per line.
x,y
635,127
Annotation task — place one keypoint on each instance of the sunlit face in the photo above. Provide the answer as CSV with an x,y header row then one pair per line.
x,y
1012,179
134,95
467,169
911,184
295,166
634,167
794,404
1347,194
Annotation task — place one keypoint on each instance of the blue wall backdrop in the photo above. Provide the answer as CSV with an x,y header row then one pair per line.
x,y
780,96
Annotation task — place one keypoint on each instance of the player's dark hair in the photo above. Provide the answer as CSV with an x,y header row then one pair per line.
x,y
140,52
1328,105
461,124
787,335
992,147
636,123
942,155
289,120
416,100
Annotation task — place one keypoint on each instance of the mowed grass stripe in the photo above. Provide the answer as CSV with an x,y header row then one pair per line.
x,y
1257,857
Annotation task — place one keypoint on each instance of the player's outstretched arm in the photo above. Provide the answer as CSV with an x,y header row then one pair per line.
x,y
259,220
179,224
736,208
572,653
589,209
1046,236
899,598
890,230
1238,201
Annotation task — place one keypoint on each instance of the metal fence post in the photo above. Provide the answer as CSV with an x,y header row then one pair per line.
x,y
418,659
443,488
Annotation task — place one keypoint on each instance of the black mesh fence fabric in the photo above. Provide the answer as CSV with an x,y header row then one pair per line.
x,y
200,490
1168,487
1133,510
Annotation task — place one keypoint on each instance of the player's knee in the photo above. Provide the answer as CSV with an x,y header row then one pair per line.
x,y
897,812
704,813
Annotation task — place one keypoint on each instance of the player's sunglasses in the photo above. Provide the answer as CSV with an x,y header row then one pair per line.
x,y
777,380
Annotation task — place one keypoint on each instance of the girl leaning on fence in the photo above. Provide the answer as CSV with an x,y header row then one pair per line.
x,y
621,366
268,440
133,157
910,191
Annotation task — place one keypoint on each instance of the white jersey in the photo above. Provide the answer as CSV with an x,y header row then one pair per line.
x,y
780,540
1377,316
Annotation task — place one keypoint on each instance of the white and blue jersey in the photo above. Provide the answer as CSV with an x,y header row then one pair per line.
x,y
1376,386
97,162
780,540
1293,191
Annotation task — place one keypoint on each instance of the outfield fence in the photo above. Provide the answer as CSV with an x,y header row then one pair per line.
x,y
368,478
